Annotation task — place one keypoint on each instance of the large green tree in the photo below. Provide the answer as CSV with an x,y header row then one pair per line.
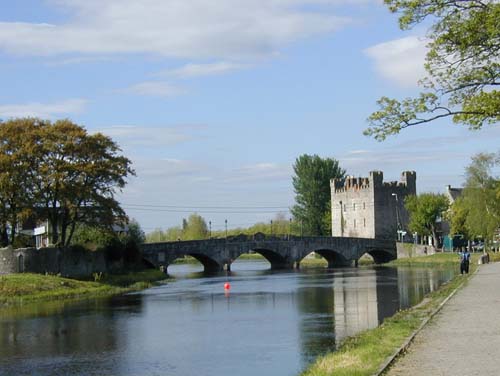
x,y
311,184
17,161
66,175
78,176
425,210
462,64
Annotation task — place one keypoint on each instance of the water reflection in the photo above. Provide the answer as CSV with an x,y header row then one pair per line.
x,y
268,323
63,335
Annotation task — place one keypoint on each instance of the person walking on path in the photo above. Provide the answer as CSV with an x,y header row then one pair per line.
x,y
464,261
463,338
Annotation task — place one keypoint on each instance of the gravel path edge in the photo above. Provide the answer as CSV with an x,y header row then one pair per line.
x,y
410,338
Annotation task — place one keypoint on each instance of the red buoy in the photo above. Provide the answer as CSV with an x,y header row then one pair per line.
x,y
227,286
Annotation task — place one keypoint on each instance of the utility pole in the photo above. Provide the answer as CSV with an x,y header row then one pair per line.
x,y
225,221
210,229
397,215
341,220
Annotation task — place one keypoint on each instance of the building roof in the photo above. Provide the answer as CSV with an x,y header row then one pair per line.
x,y
453,193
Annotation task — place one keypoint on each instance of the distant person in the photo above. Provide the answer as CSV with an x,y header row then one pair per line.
x,y
464,261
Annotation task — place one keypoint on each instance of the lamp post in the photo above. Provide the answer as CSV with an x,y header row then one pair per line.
x,y
397,214
271,227
289,229
341,220
210,229
225,221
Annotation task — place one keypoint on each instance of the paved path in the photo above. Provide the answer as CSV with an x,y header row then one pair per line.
x,y
464,337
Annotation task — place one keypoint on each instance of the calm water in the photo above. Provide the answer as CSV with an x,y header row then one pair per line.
x,y
271,323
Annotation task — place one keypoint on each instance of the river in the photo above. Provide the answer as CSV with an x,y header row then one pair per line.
x,y
269,323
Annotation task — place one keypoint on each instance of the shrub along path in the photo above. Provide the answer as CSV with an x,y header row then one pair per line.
x,y
464,337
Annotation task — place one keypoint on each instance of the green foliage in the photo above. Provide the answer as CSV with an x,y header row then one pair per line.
x,y
17,164
169,235
425,209
480,200
194,228
311,184
457,216
135,233
68,176
94,238
463,67
280,226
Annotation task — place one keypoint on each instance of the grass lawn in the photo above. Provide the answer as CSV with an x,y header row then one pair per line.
x,y
27,287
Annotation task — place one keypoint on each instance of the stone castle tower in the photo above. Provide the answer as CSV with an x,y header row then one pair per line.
x,y
370,207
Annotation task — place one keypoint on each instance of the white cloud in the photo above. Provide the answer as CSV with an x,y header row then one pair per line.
x,y
400,60
231,29
79,60
165,171
142,136
43,110
155,88
198,70
259,172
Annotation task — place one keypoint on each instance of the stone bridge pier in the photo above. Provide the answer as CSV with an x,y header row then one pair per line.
x,y
281,252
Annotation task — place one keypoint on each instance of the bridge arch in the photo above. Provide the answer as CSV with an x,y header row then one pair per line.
x,y
379,256
209,264
334,258
276,260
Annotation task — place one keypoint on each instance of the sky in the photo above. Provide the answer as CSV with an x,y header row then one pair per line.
x,y
214,100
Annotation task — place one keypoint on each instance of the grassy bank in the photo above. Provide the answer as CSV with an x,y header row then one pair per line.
x,y
364,353
437,259
26,287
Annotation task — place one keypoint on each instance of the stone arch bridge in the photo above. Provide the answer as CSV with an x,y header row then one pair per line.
x,y
282,252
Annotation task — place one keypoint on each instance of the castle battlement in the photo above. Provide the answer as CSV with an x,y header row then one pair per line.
x,y
368,207
350,183
376,179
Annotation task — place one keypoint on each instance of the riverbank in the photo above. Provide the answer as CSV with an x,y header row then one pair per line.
x,y
365,353
462,338
26,287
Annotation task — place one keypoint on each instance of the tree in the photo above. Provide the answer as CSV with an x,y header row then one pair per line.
x,y
16,175
458,218
311,184
195,228
135,234
463,66
77,177
481,197
60,173
424,210
93,237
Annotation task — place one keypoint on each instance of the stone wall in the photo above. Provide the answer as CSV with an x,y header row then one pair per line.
x,y
408,250
370,207
74,262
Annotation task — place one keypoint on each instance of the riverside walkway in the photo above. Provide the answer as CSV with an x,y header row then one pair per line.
x,y
464,337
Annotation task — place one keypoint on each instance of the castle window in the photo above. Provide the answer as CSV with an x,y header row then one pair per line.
x,y
345,207
354,223
364,222
353,206
363,206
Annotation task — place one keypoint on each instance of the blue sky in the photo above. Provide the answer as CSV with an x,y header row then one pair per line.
x,y
214,100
